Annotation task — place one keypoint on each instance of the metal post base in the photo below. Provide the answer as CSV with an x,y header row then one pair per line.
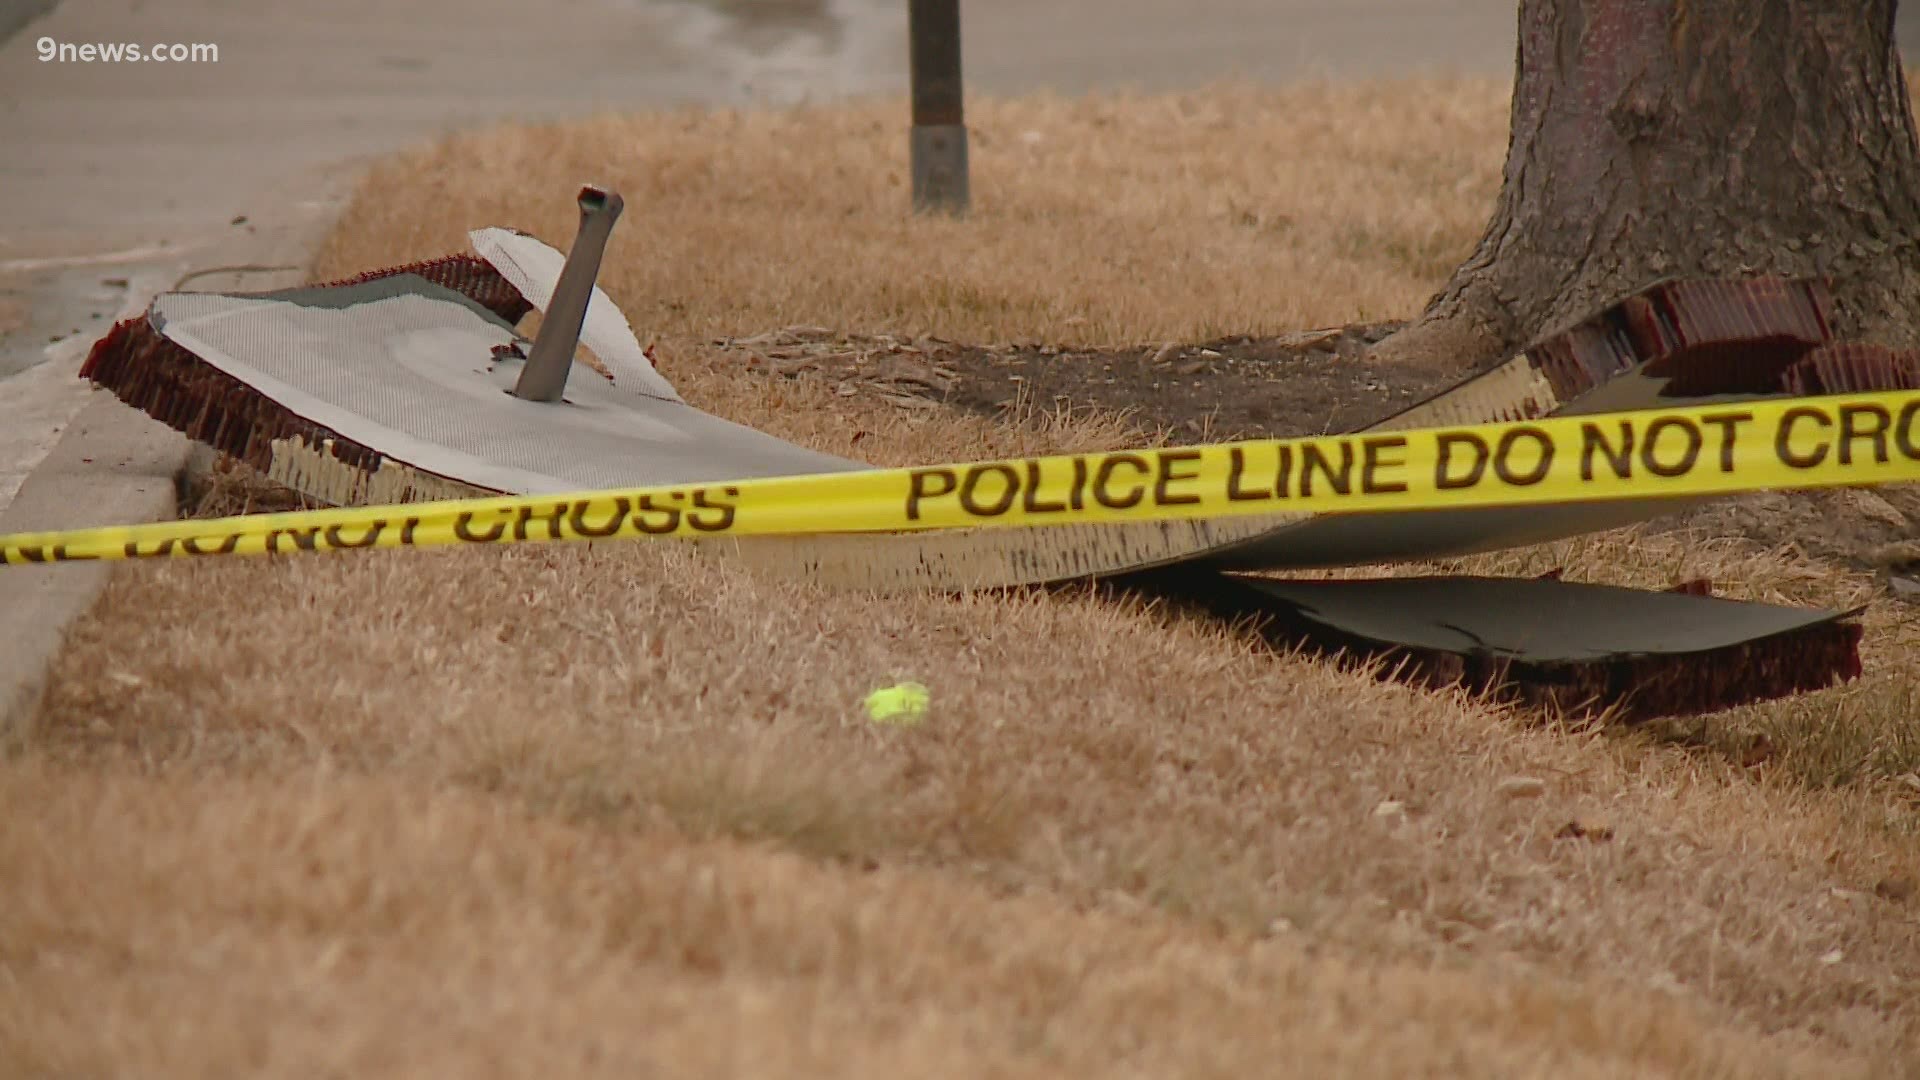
x,y
939,154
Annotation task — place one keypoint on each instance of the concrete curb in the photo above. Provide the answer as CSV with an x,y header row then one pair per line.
x,y
113,465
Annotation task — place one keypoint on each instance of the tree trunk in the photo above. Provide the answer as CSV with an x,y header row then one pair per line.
x,y
1655,139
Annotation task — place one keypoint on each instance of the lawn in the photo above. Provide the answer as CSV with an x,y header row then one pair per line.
x,y
601,810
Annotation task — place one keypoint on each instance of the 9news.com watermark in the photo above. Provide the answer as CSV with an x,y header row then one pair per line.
x,y
119,52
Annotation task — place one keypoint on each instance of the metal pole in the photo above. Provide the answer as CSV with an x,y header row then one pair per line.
x,y
939,140
544,378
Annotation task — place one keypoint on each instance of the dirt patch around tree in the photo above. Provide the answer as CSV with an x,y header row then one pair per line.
x,y
1312,382
1308,383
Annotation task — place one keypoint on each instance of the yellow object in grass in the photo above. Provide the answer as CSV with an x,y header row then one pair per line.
x,y
904,705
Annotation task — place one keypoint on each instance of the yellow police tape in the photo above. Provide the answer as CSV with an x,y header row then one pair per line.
x,y
1708,450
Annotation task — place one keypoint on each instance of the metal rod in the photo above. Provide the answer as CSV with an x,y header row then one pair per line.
x,y
545,376
939,141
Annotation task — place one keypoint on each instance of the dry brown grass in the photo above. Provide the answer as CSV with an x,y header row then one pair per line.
x,y
320,924
612,809
1213,793
1105,221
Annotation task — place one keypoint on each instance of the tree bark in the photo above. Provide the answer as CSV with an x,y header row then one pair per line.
x,y
1654,139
